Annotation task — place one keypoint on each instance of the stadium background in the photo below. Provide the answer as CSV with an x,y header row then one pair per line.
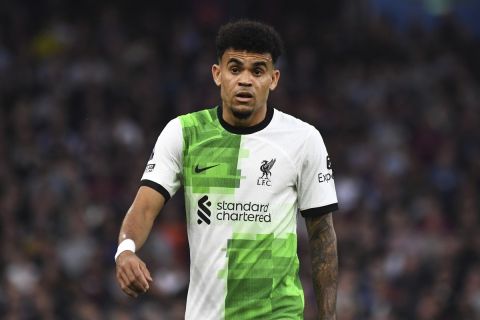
x,y
86,86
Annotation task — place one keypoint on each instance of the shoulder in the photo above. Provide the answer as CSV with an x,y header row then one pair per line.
x,y
182,124
304,140
294,124
197,118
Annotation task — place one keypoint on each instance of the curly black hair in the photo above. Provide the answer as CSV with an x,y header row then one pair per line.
x,y
251,36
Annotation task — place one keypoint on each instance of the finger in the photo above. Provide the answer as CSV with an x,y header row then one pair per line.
x,y
119,277
125,282
129,279
130,274
146,273
133,282
137,287
130,292
124,285
140,277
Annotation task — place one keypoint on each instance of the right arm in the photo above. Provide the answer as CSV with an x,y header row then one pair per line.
x,y
132,273
160,181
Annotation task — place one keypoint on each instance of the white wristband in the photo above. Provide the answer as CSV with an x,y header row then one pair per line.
x,y
125,245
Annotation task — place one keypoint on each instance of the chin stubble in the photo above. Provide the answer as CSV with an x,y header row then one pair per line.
x,y
242,115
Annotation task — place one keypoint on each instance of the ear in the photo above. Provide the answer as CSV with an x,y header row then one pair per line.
x,y
216,74
275,78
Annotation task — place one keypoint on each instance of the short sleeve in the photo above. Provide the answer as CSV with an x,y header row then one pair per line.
x,y
316,186
163,169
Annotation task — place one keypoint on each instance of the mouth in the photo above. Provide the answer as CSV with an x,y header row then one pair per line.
x,y
243,96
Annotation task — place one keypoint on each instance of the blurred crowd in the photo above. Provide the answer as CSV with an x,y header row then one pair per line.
x,y
86,87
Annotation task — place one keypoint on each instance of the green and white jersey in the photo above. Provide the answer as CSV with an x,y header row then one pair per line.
x,y
243,188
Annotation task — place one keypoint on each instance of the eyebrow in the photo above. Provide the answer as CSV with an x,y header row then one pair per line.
x,y
260,64
255,64
234,60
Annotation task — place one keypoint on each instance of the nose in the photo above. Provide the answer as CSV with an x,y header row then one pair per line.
x,y
245,79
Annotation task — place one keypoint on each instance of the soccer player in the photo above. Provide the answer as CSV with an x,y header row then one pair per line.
x,y
246,169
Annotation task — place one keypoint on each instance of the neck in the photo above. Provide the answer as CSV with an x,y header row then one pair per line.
x,y
255,118
246,127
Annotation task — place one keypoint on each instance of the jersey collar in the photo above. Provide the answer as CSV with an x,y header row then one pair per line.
x,y
246,130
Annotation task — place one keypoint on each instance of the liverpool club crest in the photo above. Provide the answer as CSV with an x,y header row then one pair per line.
x,y
266,168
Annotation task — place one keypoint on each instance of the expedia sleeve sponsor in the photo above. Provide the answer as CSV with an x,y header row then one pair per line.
x,y
325,177
316,186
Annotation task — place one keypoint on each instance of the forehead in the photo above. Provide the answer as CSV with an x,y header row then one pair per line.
x,y
246,57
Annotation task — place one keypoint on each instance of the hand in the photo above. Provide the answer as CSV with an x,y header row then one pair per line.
x,y
132,274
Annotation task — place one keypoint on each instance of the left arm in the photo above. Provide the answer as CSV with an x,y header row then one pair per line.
x,y
323,249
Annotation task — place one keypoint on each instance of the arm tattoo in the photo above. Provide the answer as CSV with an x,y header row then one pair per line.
x,y
323,248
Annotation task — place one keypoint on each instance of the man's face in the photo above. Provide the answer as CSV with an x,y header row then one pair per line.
x,y
245,79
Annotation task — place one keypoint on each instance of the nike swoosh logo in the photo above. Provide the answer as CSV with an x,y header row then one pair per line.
x,y
198,170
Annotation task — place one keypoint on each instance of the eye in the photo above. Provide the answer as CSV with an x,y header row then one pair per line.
x,y
258,72
234,69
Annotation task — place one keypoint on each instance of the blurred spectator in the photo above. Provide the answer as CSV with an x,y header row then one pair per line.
x,y
85,89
